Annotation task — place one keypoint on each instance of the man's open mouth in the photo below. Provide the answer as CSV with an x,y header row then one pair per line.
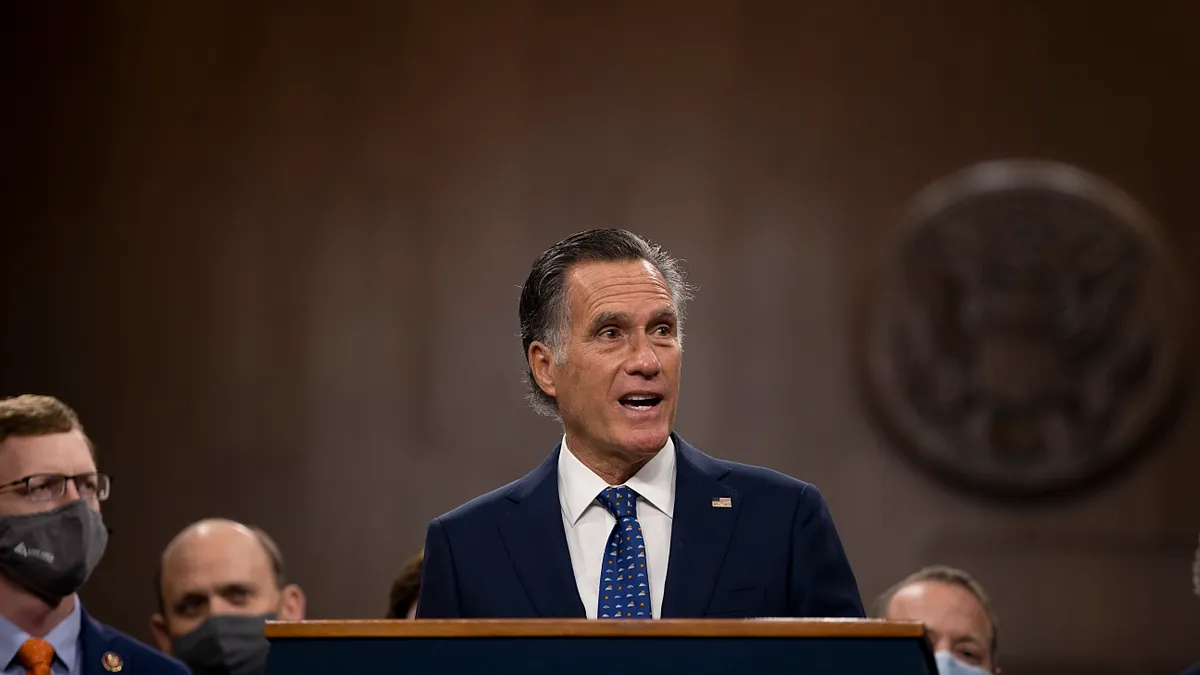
x,y
640,401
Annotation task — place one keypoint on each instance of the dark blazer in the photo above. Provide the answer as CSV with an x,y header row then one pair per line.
x,y
103,644
773,553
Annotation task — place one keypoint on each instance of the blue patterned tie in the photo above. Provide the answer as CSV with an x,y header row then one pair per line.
x,y
625,583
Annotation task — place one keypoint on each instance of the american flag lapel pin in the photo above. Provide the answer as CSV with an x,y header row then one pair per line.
x,y
722,503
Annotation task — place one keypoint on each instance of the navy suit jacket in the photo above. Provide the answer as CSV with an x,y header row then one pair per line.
x,y
135,658
773,553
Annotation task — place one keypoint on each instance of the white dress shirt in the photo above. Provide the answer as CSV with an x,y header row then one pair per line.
x,y
588,524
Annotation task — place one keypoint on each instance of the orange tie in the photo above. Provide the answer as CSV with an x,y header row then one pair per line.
x,y
36,655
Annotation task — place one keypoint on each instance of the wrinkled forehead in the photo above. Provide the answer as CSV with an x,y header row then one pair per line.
x,y
594,287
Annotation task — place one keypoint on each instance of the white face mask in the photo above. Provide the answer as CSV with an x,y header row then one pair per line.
x,y
947,664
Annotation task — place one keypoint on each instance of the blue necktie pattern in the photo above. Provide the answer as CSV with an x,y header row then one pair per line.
x,y
625,583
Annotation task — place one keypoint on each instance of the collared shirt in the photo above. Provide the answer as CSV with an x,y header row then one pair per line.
x,y
65,637
588,524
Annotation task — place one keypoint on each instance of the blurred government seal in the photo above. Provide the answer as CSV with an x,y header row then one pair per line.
x,y
1023,334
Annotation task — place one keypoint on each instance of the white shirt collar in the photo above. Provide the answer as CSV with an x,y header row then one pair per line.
x,y
578,486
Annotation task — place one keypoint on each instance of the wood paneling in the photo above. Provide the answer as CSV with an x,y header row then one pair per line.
x,y
271,253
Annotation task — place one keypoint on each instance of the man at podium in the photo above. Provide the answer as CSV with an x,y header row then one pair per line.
x,y
625,519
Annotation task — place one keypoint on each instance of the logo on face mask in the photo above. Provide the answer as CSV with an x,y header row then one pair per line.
x,y
26,552
51,553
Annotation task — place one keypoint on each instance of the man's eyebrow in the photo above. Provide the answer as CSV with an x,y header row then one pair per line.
x,y
608,318
968,638
665,314
618,318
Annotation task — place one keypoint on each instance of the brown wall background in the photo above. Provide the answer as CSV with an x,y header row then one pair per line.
x,y
271,252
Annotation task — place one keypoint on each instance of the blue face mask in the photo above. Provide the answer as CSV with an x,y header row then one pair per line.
x,y
948,665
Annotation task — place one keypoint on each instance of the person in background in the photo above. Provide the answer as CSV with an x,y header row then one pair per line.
x,y
402,601
1195,669
218,583
957,614
624,519
52,536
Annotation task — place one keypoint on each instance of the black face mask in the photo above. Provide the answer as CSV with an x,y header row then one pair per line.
x,y
50,554
226,644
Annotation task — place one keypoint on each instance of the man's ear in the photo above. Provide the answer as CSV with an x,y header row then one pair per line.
x,y
158,626
291,604
543,367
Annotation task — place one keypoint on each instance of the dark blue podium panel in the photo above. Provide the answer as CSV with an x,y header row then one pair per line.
x,y
696,649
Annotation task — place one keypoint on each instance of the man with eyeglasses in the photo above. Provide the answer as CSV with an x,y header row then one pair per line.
x,y
51,538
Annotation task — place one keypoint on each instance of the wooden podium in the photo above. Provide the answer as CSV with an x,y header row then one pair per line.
x,y
590,647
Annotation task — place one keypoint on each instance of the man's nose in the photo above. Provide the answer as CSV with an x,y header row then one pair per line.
x,y
644,360
70,490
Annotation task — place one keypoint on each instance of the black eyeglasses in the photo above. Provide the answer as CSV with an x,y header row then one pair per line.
x,y
46,486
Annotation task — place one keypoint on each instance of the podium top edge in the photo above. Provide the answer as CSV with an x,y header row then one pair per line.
x,y
549,628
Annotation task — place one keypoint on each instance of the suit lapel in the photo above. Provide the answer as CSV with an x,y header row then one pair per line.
x,y
700,532
95,645
533,534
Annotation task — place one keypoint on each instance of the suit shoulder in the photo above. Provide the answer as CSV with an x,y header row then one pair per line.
x,y
761,478
781,491
486,506
478,508
763,482
142,657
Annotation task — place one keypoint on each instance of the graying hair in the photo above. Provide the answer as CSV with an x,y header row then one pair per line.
x,y
544,310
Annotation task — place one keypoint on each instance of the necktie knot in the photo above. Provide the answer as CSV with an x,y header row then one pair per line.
x,y
620,501
36,655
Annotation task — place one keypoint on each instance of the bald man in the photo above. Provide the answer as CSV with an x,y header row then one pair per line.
x,y
218,583
957,614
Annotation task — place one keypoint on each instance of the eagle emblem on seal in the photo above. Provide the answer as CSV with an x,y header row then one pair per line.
x,y
1022,336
